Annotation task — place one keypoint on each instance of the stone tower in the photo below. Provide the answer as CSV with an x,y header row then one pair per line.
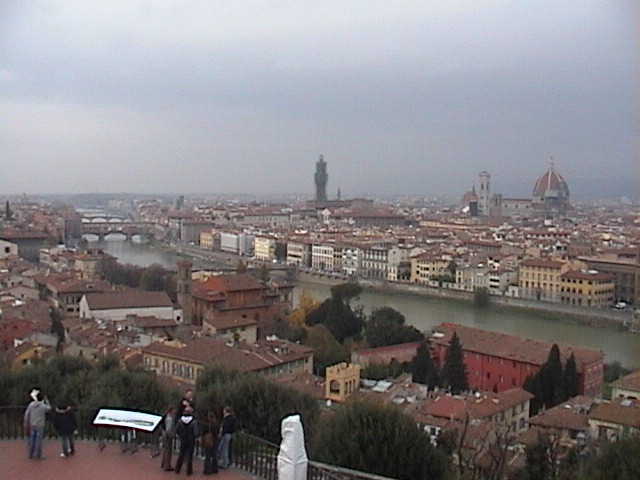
x,y
183,288
485,193
321,178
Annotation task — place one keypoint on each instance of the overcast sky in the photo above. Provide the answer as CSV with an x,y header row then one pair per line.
x,y
399,96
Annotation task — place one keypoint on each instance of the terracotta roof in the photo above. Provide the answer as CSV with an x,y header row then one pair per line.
x,y
569,415
621,411
127,299
629,382
238,356
588,275
542,262
227,322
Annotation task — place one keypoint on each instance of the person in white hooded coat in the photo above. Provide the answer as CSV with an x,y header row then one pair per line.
x,y
292,458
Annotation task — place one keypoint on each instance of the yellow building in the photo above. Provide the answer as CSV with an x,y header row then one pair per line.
x,y
587,288
341,381
265,248
539,278
207,240
426,266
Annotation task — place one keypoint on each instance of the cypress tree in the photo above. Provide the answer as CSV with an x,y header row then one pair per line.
x,y
571,377
422,367
454,371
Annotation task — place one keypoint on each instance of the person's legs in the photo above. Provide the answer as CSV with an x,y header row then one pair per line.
x,y
208,457
31,443
223,450
37,445
66,449
189,458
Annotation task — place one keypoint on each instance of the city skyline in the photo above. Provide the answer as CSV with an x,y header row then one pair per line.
x,y
402,98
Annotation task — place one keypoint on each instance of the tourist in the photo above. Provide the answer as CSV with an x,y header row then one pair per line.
x,y
64,421
34,418
187,431
210,435
226,431
188,400
168,433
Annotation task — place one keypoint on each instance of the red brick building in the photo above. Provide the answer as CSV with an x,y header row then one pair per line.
x,y
497,361
240,295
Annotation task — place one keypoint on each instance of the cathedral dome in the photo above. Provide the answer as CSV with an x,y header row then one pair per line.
x,y
551,184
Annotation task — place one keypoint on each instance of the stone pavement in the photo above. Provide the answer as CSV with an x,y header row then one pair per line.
x,y
90,463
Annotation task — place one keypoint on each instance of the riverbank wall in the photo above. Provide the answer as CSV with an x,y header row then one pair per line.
x,y
598,317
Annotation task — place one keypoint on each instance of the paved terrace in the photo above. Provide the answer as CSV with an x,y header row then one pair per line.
x,y
90,463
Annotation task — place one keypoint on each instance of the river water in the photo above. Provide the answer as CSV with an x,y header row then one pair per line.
x,y
426,312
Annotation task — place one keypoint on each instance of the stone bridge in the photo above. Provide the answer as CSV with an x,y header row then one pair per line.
x,y
128,229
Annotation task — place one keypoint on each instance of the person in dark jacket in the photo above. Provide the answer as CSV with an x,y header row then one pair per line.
x,y
226,431
210,434
187,432
64,421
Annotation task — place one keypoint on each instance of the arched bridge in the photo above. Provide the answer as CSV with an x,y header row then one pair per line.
x,y
129,229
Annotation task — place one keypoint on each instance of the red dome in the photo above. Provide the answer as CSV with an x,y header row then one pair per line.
x,y
551,184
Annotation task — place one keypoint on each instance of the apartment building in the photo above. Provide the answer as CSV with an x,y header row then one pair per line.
x,y
539,278
426,266
587,288
497,361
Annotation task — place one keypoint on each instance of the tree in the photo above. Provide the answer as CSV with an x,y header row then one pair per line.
x,y
617,460
336,313
549,384
386,327
259,404
481,297
366,436
454,371
570,378
422,367
241,267
327,350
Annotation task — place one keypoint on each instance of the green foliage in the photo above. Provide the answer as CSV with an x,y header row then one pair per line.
x,y
346,291
378,439
422,367
74,381
570,375
241,267
152,278
327,350
259,404
553,383
615,461
613,371
481,297
264,273
381,371
454,370
386,327
336,313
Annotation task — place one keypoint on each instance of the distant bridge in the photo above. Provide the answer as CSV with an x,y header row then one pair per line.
x,y
128,229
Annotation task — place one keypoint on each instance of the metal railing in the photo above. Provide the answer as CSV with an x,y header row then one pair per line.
x,y
249,453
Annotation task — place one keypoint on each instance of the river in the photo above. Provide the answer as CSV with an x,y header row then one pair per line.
x,y
426,312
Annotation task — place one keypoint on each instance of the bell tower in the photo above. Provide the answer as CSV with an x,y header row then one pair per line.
x,y
183,287
321,178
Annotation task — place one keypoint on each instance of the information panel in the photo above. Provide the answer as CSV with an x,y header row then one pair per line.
x,y
127,419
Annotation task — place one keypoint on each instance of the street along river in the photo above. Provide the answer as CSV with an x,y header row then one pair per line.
x,y
426,312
